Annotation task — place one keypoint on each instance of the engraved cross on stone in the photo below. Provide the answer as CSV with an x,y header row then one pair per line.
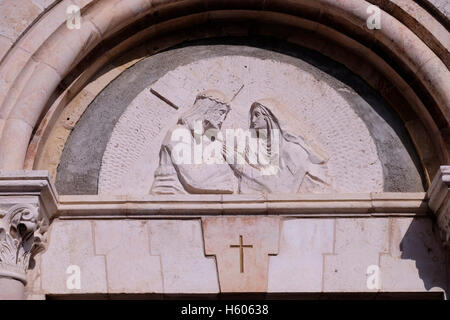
x,y
241,247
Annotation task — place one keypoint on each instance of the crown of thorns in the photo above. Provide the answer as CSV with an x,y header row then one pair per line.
x,y
214,96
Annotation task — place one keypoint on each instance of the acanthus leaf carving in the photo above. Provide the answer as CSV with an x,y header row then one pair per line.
x,y
21,238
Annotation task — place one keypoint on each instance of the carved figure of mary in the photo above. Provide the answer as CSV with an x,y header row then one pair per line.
x,y
286,162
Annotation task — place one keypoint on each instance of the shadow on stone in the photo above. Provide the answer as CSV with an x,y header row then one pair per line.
x,y
422,244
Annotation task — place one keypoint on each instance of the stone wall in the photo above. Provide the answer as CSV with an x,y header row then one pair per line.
x,y
65,98
309,256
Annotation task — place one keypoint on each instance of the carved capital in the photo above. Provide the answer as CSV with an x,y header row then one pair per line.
x,y
21,238
439,201
28,203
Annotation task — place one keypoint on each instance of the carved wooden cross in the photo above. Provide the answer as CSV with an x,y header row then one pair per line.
x,y
241,247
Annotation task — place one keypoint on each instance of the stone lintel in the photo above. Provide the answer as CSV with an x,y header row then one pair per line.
x,y
196,206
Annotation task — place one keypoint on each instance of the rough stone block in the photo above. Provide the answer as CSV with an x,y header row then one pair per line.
x,y
130,266
358,245
71,243
184,266
16,16
299,265
416,259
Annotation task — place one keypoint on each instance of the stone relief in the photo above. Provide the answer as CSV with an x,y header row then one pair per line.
x,y
324,146
285,160
265,158
188,175
20,240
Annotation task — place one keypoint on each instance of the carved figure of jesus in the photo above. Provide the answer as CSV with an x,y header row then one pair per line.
x,y
184,174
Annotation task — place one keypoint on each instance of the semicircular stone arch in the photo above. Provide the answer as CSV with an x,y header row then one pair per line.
x,y
393,41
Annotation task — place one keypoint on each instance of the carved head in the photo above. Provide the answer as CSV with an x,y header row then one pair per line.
x,y
262,118
211,107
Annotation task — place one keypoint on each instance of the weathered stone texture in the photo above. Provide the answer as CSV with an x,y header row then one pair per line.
x,y
299,265
16,16
130,266
180,246
173,256
72,243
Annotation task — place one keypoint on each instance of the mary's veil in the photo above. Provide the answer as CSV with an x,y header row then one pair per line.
x,y
274,123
